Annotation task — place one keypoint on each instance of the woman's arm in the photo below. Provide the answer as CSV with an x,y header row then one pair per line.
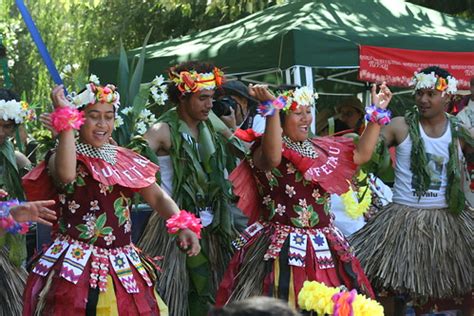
x,y
166,207
268,154
62,164
369,138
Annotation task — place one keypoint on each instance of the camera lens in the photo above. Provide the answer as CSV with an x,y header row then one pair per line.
x,y
222,106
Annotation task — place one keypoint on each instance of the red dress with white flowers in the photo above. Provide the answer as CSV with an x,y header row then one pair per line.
x,y
291,238
92,266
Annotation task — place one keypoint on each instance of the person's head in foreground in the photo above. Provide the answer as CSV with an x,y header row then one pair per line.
x,y
434,88
256,306
192,88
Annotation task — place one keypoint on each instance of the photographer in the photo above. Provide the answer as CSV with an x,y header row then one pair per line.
x,y
236,108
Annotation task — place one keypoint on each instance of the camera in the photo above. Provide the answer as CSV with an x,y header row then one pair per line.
x,y
222,106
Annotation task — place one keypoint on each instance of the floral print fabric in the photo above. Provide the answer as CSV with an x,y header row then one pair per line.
x,y
289,199
95,213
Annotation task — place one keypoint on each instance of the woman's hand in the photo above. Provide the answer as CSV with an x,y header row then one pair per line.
x,y
45,119
261,92
189,242
58,97
383,97
34,212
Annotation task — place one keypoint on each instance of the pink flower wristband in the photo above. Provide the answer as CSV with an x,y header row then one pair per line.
x,y
66,118
184,220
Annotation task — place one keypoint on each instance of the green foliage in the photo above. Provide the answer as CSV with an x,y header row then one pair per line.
x,y
77,31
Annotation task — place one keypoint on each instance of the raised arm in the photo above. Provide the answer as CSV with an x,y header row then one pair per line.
x,y
268,155
62,163
369,138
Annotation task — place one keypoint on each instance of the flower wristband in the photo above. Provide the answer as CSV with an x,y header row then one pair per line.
x,y
267,108
66,118
184,220
377,115
8,223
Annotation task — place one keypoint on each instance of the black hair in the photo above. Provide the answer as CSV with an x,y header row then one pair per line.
x,y
256,306
8,95
437,71
201,67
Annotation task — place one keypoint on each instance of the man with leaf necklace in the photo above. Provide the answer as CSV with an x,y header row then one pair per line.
x,y
420,245
193,161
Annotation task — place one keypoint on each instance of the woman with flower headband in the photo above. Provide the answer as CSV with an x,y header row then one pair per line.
x,y
13,164
193,160
420,245
92,268
292,237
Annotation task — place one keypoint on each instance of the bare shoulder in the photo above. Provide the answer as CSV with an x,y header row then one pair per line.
x,y
159,137
399,122
395,132
21,160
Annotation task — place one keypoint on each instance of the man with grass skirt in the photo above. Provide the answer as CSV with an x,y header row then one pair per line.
x,y
193,161
12,246
420,246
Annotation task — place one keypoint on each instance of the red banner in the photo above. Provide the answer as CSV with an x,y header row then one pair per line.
x,y
397,66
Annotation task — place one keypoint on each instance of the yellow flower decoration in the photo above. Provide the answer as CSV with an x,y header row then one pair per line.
x,y
317,297
354,208
363,306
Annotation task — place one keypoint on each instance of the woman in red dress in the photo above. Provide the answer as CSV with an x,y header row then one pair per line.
x,y
92,268
284,188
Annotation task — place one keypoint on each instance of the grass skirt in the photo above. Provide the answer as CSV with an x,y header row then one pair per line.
x,y
12,282
422,252
250,273
174,281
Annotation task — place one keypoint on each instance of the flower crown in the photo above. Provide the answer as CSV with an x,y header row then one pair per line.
x,y
16,111
432,81
292,99
95,93
192,81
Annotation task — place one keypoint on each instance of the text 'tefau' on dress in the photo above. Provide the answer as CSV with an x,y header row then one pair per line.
x,y
291,238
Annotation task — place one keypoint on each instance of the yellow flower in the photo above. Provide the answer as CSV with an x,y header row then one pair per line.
x,y
315,296
353,207
363,306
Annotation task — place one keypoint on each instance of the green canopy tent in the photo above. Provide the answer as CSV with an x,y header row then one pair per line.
x,y
306,41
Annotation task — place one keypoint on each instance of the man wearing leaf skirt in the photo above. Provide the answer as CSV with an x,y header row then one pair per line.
x,y
420,246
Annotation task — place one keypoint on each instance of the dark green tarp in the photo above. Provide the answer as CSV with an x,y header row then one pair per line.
x,y
324,33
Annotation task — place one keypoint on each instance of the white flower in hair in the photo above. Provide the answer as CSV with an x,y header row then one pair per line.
x,y
94,79
452,85
424,81
84,98
12,110
304,96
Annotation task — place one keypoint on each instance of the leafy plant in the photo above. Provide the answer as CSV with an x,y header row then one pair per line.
x,y
135,116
